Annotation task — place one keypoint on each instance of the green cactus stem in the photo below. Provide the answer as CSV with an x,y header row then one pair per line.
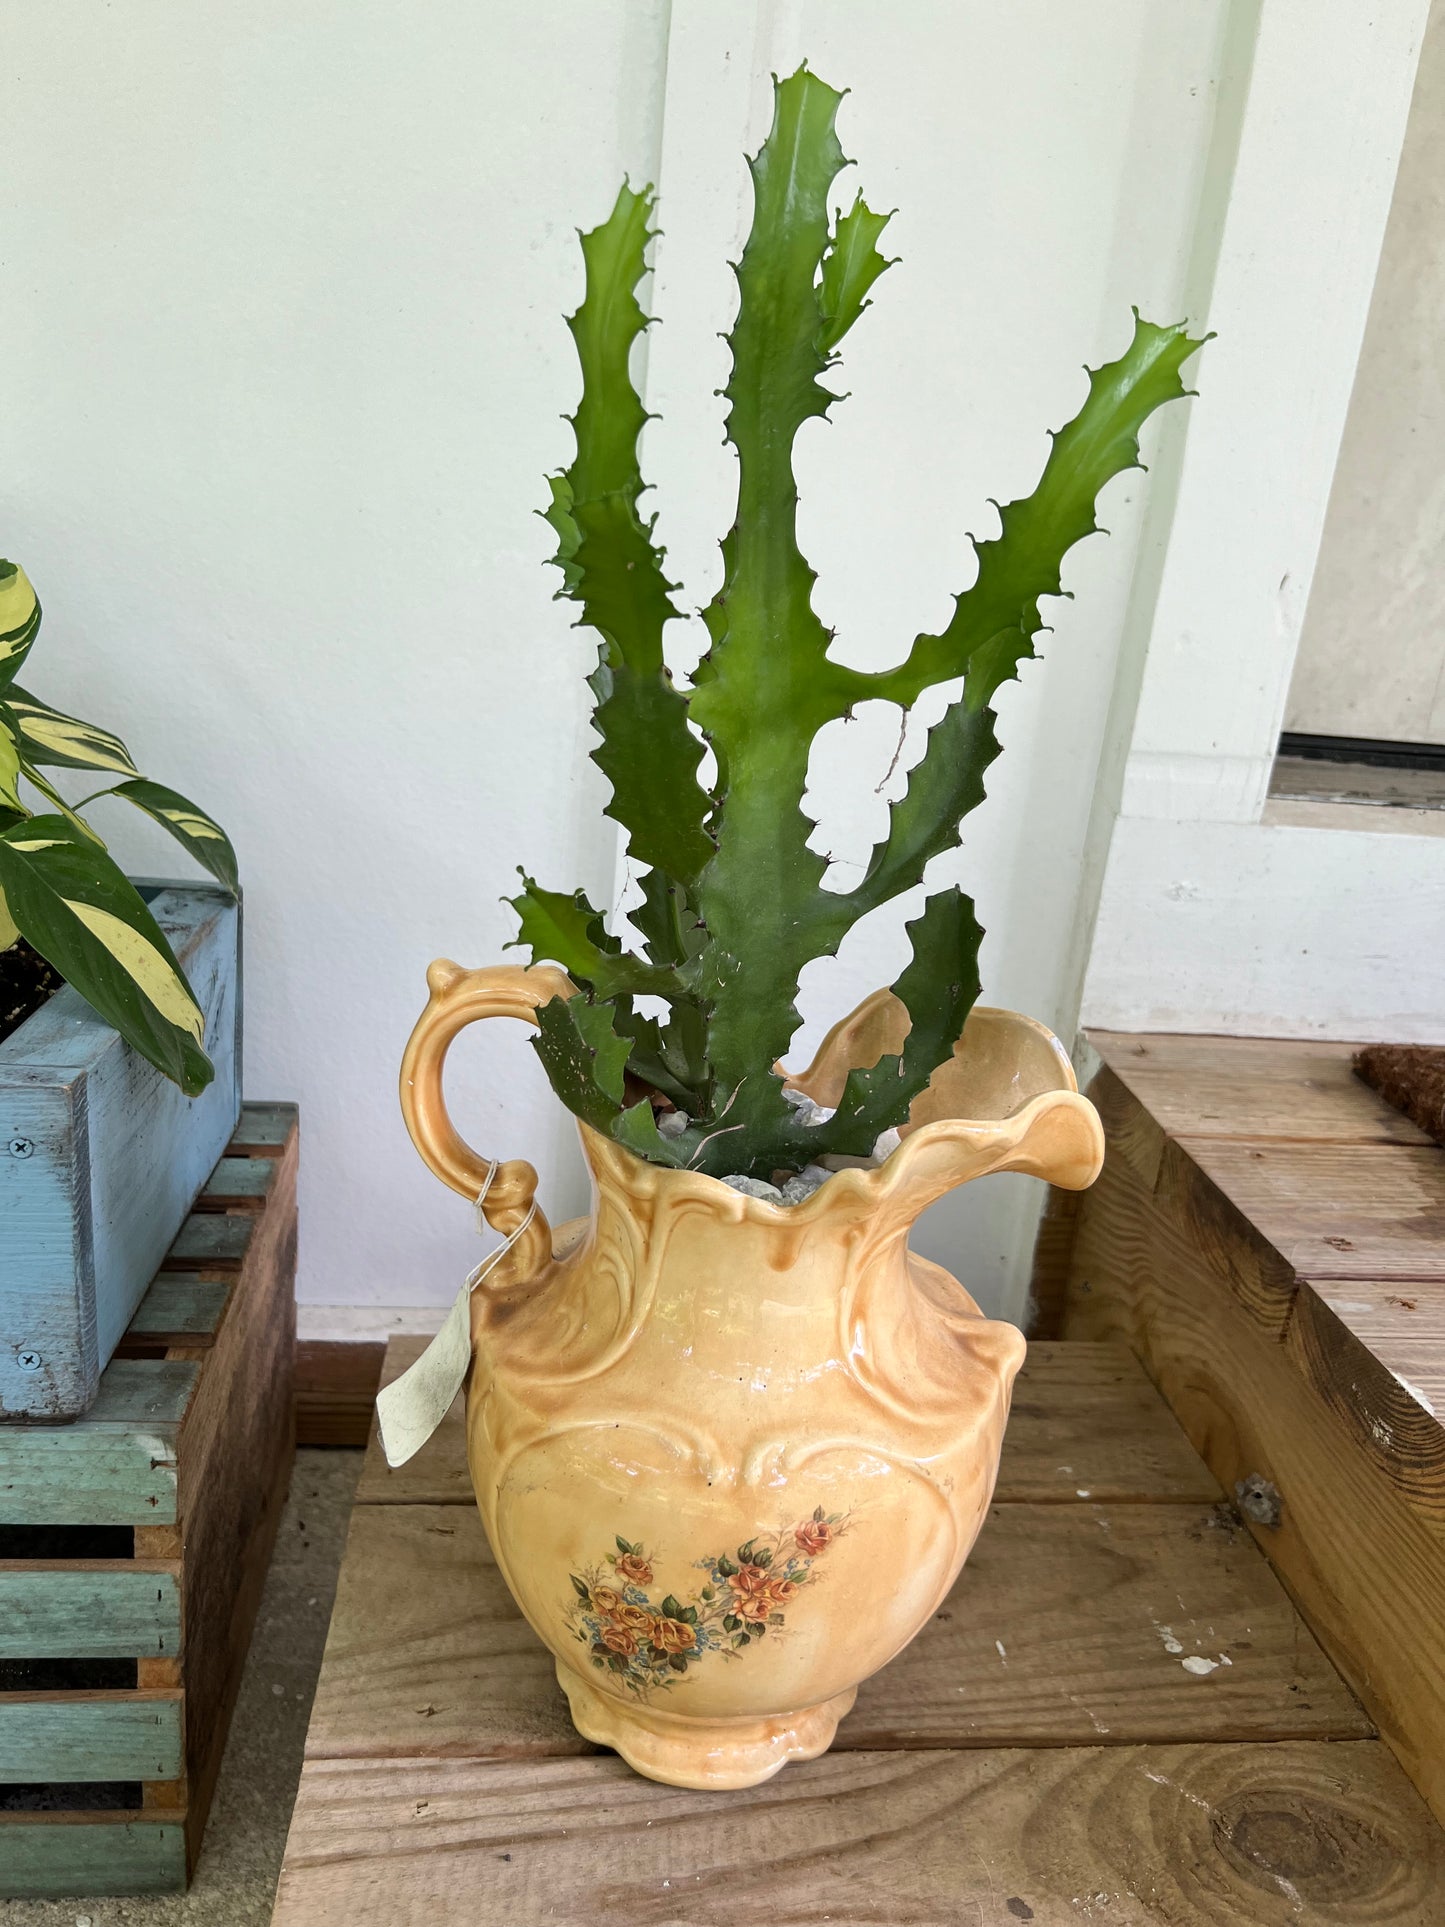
x,y
733,904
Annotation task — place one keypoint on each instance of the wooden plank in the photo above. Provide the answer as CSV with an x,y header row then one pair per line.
x,y
240,1418
135,1394
237,1182
262,1130
1402,1327
1129,1128
1266,1211
210,1239
1196,1836
69,1610
116,1466
1390,1420
1338,1211
89,1853
427,1654
90,1736
1364,1560
1253,1087
179,1305
336,1385
1261,1278
1052,1245
1086,1424
158,1542
1168,1588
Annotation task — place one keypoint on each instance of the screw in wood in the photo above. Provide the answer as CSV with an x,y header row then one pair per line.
x,y
29,1361
21,1147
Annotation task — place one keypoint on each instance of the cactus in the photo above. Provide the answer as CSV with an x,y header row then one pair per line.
x,y
733,905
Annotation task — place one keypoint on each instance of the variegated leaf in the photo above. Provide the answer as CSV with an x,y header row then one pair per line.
x,y
9,767
9,928
19,620
196,832
47,789
53,738
83,915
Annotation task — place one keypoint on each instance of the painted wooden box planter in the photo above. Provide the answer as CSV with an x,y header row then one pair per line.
x,y
100,1159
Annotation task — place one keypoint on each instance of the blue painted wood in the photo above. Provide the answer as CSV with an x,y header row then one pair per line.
x,y
100,1159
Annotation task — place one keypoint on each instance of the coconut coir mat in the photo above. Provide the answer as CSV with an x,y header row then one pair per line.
x,y
1412,1078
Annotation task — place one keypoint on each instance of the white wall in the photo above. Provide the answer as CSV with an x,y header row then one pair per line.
x,y
283,371
1371,659
284,365
1220,911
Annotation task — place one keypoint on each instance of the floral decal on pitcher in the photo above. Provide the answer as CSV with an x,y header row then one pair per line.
x,y
741,1599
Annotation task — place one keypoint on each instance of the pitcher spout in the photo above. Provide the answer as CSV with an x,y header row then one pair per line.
x,y
1005,1100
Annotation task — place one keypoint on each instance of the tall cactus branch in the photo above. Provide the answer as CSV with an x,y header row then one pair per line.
x,y
733,904
762,692
611,565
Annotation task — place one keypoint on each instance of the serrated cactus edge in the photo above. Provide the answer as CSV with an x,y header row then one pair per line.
x,y
733,905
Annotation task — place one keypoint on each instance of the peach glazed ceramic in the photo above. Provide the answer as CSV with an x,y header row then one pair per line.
x,y
731,1455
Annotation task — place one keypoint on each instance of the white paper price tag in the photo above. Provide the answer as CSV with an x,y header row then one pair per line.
x,y
411,1408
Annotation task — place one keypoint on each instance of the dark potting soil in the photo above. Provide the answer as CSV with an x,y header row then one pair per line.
x,y
26,982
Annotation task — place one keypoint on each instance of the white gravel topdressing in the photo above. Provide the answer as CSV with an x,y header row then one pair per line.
x,y
812,1176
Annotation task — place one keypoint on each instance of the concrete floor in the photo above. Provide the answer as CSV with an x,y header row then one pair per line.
x,y
235,1882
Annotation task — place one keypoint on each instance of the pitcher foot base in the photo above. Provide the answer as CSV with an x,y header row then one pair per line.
x,y
707,1754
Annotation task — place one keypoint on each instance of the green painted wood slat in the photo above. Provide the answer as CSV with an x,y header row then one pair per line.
x,y
264,1128
66,1611
179,1303
90,1736
116,1466
92,1854
237,1181
210,1238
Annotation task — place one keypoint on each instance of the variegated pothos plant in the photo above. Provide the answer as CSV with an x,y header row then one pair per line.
x,y
59,887
733,904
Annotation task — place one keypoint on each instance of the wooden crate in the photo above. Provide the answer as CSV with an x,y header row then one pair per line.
x,y
100,1159
1042,1752
134,1544
1269,1236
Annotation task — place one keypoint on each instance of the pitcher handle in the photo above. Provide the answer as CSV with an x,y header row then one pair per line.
x,y
458,998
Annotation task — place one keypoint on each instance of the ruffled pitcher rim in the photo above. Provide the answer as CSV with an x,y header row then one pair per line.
x,y
1051,1132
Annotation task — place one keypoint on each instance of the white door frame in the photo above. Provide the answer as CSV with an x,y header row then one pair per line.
x,y
1220,911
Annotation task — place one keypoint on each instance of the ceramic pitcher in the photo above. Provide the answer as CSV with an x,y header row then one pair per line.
x,y
731,1455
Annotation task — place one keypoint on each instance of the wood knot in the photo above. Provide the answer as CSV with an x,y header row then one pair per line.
x,y
1301,1846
